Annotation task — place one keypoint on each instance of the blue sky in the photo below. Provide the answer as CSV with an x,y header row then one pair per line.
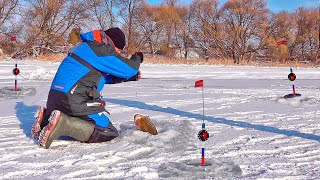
x,y
273,5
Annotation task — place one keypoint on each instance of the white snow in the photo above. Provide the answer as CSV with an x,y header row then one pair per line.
x,y
254,132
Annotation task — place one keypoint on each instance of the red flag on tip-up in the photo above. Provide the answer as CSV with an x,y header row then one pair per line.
x,y
282,42
13,38
198,83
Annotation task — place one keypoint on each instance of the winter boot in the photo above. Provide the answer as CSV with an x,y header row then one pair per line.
x,y
63,125
38,116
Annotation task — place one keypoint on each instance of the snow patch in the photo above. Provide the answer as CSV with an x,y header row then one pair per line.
x,y
9,93
172,136
250,133
192,168
39,73
296,101
76,174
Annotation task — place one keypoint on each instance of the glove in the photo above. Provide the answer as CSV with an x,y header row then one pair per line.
x,y
140,55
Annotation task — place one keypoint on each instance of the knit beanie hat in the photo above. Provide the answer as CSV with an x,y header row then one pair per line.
x,y
117,36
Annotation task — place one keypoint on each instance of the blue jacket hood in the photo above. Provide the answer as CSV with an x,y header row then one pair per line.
x,y
91,36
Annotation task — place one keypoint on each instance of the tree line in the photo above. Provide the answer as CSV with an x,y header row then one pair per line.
x,y
241,30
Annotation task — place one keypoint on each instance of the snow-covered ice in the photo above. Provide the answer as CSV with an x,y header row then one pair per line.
x,y
254,132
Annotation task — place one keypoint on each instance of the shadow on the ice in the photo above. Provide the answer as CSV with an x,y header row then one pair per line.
x,y
25,115
141,105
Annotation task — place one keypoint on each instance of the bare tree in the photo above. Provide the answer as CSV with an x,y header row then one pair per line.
x,y
239,30
275,37
48,22
170,17
298,30
242,20
206,28
128,9
103,12
147,28
7,8
185,30
305,46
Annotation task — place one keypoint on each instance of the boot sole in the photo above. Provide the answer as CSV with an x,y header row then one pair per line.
x,y
38,120
145,124
47,131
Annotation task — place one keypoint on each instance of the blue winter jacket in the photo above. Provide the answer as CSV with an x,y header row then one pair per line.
x,y
82,74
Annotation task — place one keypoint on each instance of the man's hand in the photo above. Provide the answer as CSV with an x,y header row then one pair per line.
x,y
140,55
